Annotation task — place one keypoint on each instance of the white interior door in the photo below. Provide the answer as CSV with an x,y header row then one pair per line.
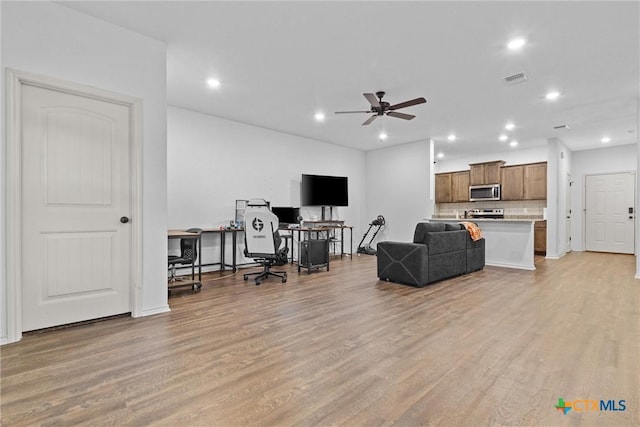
x,y
76,251
609,222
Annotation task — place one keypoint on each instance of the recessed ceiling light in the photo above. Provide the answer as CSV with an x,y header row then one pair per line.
x,y
513,143
503,137
516,44
451,138
605,139
382,136
319,117
552,95
509,126
213,83
440,155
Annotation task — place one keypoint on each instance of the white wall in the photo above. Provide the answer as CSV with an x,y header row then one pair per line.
x,y
590,162
558,166
398,188
213,161
511,157
51,40
3,194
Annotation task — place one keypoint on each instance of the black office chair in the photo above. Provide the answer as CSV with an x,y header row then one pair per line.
x,y
262,241
188,256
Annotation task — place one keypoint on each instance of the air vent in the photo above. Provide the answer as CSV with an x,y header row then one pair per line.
x,y
561,127
516,78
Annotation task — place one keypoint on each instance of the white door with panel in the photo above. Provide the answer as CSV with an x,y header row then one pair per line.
x,y
76,205
609,216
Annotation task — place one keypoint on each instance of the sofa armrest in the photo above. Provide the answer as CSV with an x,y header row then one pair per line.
x,y
403,263
475,254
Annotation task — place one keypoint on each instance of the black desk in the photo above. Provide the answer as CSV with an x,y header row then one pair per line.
x,y
310,231
313,233
224,232
223,247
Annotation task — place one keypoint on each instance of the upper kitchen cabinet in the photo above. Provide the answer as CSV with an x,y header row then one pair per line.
x,y
512,182
535,181
485,173
452,187
524,182
460,186
443,188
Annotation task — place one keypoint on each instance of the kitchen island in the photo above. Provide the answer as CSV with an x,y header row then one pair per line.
x,y
508,242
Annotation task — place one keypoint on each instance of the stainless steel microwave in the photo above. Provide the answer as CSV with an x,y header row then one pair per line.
x,y
478,193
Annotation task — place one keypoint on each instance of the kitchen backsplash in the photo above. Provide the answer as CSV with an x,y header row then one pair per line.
x,y
530,209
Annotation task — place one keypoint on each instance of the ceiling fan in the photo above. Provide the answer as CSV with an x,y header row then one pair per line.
x,y
380,107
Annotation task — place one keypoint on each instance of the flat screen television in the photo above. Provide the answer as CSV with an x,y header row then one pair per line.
x,y
322,190
286,215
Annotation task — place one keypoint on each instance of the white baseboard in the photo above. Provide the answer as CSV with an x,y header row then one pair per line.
x,y
518,266
152,311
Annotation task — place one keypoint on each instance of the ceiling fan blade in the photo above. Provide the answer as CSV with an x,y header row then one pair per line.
x,y
372,100
407,104
370,119
400,115
349,112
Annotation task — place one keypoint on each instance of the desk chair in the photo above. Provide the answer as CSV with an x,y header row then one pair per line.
x,y
188,255
262,241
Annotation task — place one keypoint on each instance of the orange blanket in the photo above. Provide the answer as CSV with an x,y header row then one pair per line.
x,y
473,230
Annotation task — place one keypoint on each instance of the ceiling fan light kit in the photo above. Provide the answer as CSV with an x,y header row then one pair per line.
x,y
381,108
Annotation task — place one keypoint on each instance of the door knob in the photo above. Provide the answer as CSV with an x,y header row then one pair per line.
x,y
124,220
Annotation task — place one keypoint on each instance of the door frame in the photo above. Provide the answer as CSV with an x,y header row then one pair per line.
x,y
15,79
568,214
584,204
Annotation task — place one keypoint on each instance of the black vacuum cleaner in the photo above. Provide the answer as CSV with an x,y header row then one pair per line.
x,y
378,223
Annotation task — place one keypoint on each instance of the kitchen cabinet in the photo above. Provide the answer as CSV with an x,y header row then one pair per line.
x,y
512,178
540,237
452,187
535,181
485,173
460,186
524,182
443,188
518,182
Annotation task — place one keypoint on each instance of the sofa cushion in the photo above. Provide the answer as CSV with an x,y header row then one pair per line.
x,y
453,226
422,228
446,241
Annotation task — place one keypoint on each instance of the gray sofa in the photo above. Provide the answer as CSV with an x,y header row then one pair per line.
x,y
439,251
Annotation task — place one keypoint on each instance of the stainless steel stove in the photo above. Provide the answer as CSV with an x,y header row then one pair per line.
x,y
494,213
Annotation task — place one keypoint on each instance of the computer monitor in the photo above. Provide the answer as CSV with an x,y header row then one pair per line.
x,y
286,215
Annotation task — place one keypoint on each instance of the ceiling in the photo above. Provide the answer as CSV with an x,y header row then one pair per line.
x,y
281,62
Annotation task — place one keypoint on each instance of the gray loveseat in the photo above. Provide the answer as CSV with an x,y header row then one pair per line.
x,y
439,251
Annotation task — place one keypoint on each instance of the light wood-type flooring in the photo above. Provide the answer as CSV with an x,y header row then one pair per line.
x,y
340,348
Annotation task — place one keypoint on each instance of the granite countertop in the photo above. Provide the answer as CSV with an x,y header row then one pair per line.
x,y
506,219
